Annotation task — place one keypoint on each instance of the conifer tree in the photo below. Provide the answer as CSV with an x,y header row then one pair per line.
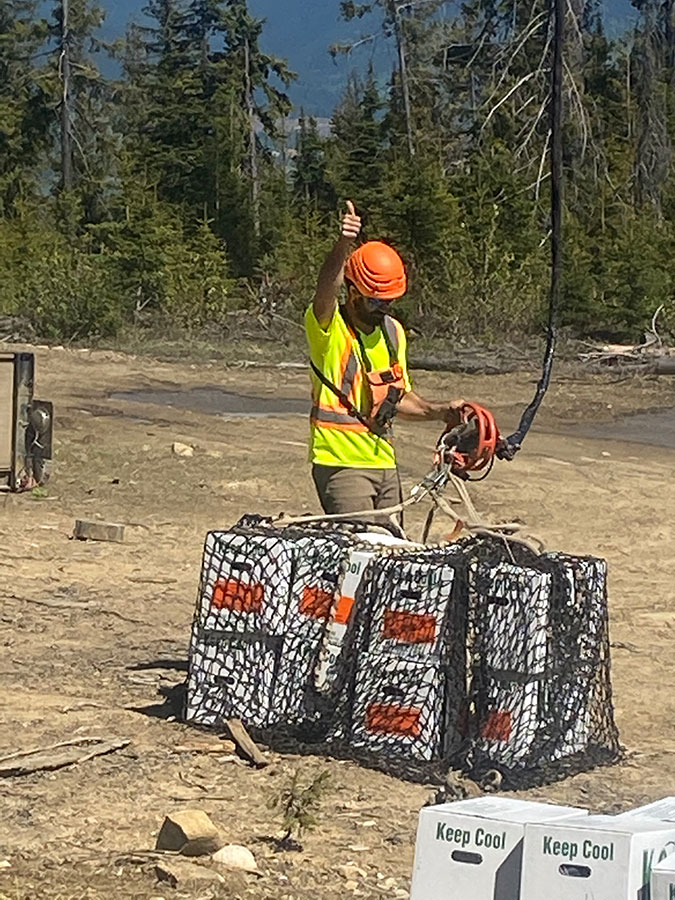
x,y
24,103
310,177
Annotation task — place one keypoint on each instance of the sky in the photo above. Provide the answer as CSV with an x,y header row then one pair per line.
x,y
301,32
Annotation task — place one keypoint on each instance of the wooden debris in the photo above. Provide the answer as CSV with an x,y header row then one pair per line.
x,y
85,606
57,756
98,531
226,747
246,744
625,645
139,580
191,832
651,357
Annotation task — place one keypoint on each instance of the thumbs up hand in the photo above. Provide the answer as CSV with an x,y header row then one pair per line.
x,y
351,223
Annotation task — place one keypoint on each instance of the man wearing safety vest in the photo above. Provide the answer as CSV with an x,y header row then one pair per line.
x,y
359,375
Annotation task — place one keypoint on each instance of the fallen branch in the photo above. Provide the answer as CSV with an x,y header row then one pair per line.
x,y
57,756
649,356
625,645
465,365
138,580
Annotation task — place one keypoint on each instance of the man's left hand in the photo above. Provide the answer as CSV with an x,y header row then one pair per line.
x,y
453,412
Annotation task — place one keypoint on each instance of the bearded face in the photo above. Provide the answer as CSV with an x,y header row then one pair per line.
x,y
367,311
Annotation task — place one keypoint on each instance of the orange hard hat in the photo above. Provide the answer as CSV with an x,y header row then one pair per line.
x,y
377,271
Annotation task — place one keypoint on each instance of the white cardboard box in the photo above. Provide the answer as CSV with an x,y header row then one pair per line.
x,y
359,559
663,880
472,849
594,858
663,810
398,707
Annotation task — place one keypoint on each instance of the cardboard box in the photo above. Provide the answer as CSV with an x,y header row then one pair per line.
x,y
663,810
399,707
232,677
514,647
266,602
473,849
599,857
246,582
526,706
328,670
408,604
663,880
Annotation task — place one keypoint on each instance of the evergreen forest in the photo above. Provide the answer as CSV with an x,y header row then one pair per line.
x,y
177,197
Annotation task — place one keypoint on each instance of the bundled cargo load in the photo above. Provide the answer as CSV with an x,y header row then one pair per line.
x,y
477,654
405,693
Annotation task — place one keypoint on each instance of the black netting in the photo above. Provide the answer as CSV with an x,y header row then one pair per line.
x,y
403,696
476,655
539,672
265,599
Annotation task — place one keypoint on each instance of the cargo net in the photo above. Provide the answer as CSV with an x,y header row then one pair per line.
x,y
540,692
476,655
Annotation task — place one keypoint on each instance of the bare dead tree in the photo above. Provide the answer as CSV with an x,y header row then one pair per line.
x,y
401,43
66,123
653,153
253,139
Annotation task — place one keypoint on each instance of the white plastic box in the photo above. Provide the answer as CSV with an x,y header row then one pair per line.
x,y
663,879
473,849
598,857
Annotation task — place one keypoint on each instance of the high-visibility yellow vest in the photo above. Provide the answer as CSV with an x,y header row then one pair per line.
x,y
346,358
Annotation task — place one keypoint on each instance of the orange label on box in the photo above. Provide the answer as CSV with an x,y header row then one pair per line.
x,y
230,593
316,603
344,610
411,628
389,718
498,726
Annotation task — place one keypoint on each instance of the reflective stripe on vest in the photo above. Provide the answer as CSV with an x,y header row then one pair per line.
x,y
391,333
329,418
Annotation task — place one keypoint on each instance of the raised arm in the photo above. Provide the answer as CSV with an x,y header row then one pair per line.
x,y
331,275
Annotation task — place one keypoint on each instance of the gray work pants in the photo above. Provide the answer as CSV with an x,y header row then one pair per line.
x,y
346,490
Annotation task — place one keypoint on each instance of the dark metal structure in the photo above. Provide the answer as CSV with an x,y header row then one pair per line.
x,y
25,425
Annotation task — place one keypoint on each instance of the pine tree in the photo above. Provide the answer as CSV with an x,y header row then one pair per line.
x,y
310,177
357,154
24,103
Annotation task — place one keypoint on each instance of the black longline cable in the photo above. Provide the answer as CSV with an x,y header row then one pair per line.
x,y
513,443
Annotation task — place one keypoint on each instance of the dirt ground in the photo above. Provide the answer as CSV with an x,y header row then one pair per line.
x,y
101,669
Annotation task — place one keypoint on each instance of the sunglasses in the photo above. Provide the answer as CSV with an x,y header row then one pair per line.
x,y
374,303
